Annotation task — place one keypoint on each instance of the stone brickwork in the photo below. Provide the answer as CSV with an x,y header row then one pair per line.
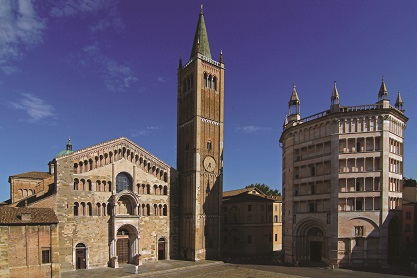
x,y
21,249
200,128
94,213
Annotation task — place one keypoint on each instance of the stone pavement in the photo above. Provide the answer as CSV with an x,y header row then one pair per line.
x,y
216,269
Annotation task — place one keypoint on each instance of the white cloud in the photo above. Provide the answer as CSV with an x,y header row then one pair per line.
x,y
161,79
146,131
36,108
20,28
252,129
74,7
117,77
108,8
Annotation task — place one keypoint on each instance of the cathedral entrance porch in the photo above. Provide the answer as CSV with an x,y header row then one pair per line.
x,y
125,245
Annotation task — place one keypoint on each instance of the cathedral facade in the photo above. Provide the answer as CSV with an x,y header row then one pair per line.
x,y
117,203
342,172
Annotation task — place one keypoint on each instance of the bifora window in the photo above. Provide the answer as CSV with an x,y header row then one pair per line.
x,y
122,182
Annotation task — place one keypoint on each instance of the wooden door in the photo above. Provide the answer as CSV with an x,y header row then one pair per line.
x,y
80,258
123,250
161,249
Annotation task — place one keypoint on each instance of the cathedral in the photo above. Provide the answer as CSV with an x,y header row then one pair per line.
x,y
115,202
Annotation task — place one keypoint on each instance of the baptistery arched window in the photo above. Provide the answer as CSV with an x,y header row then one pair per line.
x,y
123,181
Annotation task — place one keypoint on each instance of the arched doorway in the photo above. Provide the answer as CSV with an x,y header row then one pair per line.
x,y
80,256
127,244
393,241
161,249
310,242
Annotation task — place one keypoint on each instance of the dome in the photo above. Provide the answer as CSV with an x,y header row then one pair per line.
x,y
68,149
63,153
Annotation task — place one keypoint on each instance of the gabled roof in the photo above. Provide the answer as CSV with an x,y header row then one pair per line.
x,y
243,191
121,141
32,175
27,215
201,43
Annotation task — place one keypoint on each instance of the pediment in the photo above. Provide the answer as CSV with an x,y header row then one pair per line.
x,y
106,153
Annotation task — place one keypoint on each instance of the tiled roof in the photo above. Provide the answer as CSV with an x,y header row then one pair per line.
x,y
33,175
236,192
247,191
12,215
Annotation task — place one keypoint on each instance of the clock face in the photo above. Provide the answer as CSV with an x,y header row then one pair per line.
x,y
209,163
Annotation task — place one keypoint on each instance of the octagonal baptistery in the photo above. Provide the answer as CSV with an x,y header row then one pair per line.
x,y
114,201
342,172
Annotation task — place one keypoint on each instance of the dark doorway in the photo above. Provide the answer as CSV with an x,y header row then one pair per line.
x,y
161,249
315,251
393,241
80,256
123,250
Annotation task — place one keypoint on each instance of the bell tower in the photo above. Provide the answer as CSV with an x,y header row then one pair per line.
x,y
200,118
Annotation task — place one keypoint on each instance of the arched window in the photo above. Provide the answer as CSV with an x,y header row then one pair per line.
x,y
205,80
148,210
98,209
123,182
76,206
20,192
81,185
165,210
210,82
155,210
215,83
90,209
148,189
76,184
105,209
83,213
165,190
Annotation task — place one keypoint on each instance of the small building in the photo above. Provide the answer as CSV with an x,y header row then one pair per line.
x,y
29,242
252,223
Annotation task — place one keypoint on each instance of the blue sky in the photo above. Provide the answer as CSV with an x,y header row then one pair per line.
x,y
98,70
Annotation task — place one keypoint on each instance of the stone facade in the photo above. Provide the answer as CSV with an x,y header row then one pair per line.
x,y
113,203
342,182
251,223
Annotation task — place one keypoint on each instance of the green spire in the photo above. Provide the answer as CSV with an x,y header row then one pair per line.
x,y
201,43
